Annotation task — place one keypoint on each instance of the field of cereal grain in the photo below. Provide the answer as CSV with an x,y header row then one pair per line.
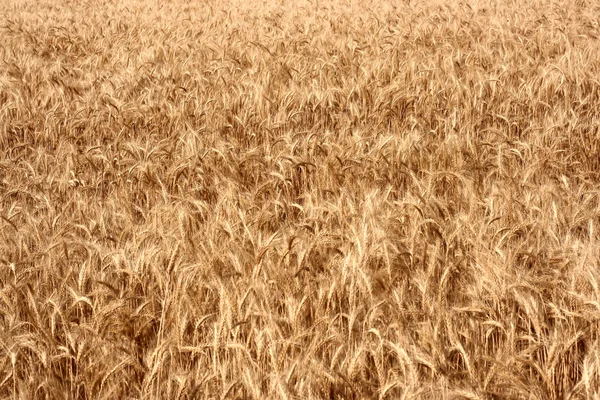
x,y
318,199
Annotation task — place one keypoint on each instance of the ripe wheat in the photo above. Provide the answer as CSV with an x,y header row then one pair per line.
x,y
328,199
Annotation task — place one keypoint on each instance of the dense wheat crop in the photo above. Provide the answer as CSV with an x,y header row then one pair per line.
x,y
299,200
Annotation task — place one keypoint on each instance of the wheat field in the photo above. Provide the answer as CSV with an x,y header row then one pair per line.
x,y
319,199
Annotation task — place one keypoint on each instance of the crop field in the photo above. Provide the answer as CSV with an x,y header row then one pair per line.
x,y
325,199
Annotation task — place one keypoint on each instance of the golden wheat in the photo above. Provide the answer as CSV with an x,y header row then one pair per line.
x,y
329,199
